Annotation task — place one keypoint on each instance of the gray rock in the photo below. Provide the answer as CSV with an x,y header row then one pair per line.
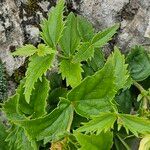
x,y
133,15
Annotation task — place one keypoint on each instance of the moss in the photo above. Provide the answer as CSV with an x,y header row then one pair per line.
x,y
3,83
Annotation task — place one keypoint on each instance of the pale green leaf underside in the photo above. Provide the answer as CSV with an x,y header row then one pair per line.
x,y
101,38
70,39
26,50
102,141
36,68
71,71
85,52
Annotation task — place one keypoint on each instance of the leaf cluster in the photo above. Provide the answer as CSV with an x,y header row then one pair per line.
x,y
88,102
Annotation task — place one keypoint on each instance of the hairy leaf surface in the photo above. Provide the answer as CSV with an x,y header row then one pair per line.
x,y
70,38
36,68
71,71
102,122
26,50
102,141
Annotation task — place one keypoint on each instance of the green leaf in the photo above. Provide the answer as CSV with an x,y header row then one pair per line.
x,y
139,63
85,29
124,100
10,108
102,141
134,124
36,68
26,50
44,50
51,126
94,93
85,52
53,27
19,141
3,135
39,97
101,38
121,72
71,71
99,123
70,39
23,106
98,61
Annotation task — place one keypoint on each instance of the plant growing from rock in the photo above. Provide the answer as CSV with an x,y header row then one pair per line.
x,y
50,113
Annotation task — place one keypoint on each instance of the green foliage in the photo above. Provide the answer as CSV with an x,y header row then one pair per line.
x,y
27,50
52,28
17,140
139,63
3,135
37,67
46,111
70,36
102,141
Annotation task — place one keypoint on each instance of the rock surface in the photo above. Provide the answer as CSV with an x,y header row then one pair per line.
x,y
19,23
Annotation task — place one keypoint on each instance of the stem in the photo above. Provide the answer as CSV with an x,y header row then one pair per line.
x,y
123,142
138,86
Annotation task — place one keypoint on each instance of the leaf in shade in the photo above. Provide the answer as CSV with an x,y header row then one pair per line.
x,y
139,63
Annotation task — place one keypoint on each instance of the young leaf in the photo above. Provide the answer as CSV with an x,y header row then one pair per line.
x,y
102,141
139,63
121,72
101,38
26,50
53,27
37,67
134,124
39,97
102,122
70,39
44,50
19,141
71,71
85,52
51,126
85,29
